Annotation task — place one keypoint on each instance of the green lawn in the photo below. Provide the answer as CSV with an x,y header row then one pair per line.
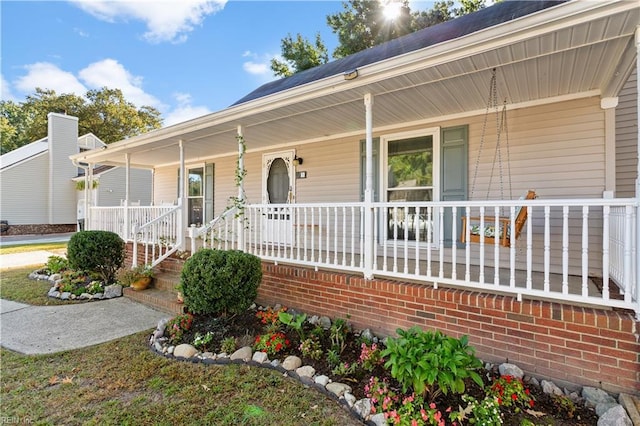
x,y
122,382
15,285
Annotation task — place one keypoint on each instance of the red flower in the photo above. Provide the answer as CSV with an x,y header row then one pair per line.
x,y
531,402
278,347
514,396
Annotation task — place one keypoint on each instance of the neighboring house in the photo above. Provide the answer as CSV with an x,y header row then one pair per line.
x,y
359,173
38,181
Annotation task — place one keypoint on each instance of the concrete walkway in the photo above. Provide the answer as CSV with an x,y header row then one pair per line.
x,y
47,329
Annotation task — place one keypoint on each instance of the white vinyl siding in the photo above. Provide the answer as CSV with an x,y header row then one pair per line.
x,y
165,189
25,189
627,138
111,189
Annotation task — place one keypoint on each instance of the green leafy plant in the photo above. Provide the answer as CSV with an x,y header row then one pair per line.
x,y
94,287
344,369
295,322
177,326
483,412
431,362
311,348
271,343
510,391
338,334
203,341
333,358
57,264
564,404
229,345
370,356
98,251
220,282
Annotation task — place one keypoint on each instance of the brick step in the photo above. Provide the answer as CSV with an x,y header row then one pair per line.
x,y
162,300
166,281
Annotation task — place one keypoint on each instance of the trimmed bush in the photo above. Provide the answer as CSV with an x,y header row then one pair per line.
x,y
96,251
220,282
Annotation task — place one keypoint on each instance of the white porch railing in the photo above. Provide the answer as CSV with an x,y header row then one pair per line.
x,y
568,250
220,233
157,228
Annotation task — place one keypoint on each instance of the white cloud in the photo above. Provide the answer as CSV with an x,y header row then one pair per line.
x,y
106,73
6,94
81,32
184,111
165,21
112,74
259,65
48,76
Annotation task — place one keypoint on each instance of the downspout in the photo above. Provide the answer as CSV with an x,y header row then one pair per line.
x,y
368,191
240,214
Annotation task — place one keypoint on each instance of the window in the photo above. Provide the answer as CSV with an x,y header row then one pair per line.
x,y
411,162
195,194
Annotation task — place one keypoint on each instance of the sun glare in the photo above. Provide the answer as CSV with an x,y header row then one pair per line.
x,y
392,10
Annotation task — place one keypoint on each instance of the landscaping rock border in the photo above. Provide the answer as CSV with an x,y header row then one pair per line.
x,y
609,411
110,291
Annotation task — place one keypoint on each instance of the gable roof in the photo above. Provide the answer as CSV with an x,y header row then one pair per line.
x,y
450,30
86,142
24,152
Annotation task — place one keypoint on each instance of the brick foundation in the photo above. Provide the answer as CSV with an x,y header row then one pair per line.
x,y
39,229
570,345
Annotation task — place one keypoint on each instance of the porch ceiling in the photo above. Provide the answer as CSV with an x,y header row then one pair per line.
x,y
586,50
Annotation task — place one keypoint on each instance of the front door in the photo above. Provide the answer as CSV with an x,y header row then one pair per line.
x,y
278,187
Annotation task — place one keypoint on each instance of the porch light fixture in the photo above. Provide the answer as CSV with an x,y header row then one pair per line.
x,y
297,160
350,75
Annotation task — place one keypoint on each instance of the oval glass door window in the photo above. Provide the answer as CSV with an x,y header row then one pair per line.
x,y
278,182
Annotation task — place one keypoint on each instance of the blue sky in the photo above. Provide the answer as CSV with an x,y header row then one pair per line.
x,y
186,58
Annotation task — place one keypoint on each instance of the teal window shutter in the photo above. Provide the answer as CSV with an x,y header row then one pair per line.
x,y
376,168
454,167
208,191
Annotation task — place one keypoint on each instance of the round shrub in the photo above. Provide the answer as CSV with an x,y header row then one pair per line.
x,y
220,281
96,251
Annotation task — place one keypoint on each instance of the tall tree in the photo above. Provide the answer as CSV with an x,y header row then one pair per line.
x,y
299,55
364,24
104,112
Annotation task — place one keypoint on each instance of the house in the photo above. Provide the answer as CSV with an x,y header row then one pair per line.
x,y
381,186
39,182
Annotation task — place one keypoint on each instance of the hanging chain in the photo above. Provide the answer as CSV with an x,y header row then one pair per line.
x,y
505,129
496,154
490,100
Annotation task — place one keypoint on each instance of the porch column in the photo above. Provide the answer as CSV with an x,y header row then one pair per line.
x,y
127,178
609,106
240,214
637,254
368,189
88,187
181,235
